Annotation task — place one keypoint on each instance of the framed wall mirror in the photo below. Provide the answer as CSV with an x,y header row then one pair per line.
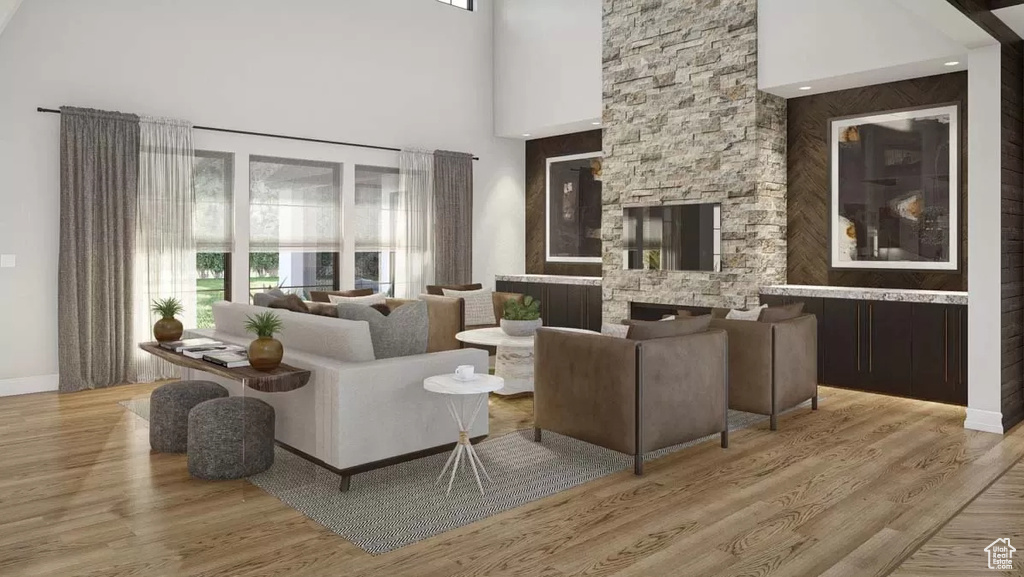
x,y
673,237
895,190
573,205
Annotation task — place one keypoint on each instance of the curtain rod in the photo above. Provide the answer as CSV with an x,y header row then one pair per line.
x,y
269,135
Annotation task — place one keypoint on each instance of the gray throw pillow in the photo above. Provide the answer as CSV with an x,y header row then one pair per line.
x,y
263,299
402,333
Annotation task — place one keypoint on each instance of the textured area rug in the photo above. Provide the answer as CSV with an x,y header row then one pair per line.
x,y
392,507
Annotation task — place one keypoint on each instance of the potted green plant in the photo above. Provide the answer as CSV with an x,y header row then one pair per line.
x,y
266,352
521,318
167,328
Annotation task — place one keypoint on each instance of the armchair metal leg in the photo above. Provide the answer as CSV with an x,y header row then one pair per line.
x,y
638,464
725,439
536,434
774,424
814,403
346,482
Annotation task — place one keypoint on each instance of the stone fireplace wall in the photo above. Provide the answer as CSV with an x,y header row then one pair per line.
x,y
684,122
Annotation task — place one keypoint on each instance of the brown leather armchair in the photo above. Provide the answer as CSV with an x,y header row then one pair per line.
x,y
498,299
631,396
773,366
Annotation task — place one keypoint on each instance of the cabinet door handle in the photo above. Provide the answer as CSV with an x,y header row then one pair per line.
x,y
871,337
858,337
945,345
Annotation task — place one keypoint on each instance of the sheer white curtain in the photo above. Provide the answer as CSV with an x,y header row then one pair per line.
x,y
165,251
412,226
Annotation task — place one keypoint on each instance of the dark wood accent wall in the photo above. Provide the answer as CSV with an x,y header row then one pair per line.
x,y
809,179
1012,234
537,153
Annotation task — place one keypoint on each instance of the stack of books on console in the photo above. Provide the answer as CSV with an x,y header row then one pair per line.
x,y
211,351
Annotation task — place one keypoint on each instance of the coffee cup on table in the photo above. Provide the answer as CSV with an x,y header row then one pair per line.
x,y
464,372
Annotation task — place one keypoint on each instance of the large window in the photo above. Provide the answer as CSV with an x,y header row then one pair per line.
x,y
464,4
213,232
294,227
376,197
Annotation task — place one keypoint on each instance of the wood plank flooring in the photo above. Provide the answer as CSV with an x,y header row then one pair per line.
x,y
852,489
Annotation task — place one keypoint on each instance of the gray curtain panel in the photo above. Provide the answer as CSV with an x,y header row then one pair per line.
x,y
453,226
99,167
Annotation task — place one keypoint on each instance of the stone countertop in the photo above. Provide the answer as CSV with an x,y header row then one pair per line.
x,y
550,279
868,294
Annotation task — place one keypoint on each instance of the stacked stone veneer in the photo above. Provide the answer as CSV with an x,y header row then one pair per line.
x,y
684,122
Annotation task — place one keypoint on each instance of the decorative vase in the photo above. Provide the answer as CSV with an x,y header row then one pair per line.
x,y
265,353
521,328
168,329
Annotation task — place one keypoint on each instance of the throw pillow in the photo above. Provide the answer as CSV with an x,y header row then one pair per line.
x,y
645,330
289,302
366,301
783,313
746,315
264,298
324,296
323,309
402,333
612,330
479,306
438,289
382,308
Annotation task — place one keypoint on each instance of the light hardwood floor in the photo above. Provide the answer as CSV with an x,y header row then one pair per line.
x,y
852,489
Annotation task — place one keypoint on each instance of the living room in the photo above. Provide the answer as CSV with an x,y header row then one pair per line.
x,y
490,246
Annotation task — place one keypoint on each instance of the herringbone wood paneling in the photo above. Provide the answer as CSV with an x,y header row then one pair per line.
x,y
809,180
538,151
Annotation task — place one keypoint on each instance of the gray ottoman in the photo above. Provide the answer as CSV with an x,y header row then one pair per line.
x,y
230,438
168,412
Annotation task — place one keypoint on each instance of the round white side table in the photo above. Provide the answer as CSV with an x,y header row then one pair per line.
x,y
454,388
514,359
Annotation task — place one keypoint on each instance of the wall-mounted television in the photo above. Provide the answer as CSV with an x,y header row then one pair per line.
x,y
673,237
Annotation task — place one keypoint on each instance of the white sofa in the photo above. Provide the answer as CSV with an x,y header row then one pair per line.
x,y
355,411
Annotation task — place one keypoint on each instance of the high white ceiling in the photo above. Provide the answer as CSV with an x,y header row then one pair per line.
x,y
1013,17
829,45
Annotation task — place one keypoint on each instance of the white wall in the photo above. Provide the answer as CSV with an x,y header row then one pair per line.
x,y
547,66
7,10
984,264
408,73
836,44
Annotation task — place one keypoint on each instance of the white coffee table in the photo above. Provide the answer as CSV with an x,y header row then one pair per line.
x,y
453,389
514,359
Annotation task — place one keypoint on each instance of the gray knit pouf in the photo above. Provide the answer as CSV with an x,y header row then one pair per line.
x,y
168,412
230,438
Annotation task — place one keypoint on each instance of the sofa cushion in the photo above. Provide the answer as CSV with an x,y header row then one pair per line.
x,y
783,313
324,296
337,339
373,299
644,330
289,302
479,305
402,333
382,308
438,289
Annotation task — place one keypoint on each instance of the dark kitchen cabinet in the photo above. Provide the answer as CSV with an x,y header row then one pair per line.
x,y
916,350
889,343
939,352
562,305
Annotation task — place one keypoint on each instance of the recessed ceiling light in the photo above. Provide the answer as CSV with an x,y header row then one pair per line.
x,y
526,134
952,63
805,88
595,123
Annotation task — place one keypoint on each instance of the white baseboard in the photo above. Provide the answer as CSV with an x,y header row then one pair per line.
x,y
27,385
987,421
